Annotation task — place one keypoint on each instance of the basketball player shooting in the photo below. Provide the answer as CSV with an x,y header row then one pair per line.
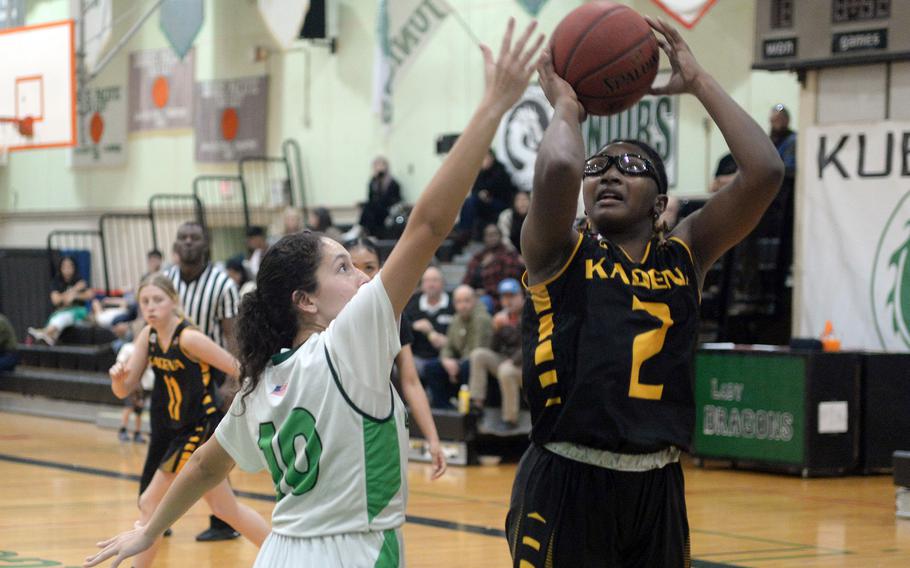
x,y
609,337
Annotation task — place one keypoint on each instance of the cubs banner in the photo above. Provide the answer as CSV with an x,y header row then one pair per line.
x,y
855,238
101,128
654,120
231,119
161,90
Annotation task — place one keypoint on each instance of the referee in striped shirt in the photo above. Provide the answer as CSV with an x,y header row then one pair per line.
x,y
210,299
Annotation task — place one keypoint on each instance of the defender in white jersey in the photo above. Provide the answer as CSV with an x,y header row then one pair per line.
x,y
317,342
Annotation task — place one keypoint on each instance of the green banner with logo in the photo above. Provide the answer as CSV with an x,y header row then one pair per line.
x,y
750,407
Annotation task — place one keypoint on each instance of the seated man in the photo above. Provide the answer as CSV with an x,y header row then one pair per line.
x,y
503,358
470,328
429,313
9,358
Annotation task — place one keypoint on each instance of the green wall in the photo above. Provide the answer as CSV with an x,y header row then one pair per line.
x,y
324,101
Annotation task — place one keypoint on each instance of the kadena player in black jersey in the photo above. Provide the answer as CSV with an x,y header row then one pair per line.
x,y
610,334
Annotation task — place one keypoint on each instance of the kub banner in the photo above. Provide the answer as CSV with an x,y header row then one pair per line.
x,y
855,234
161,90
101,128
231,118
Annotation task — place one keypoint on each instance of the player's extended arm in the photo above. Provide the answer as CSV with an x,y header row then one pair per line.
x,y
736,209
201,348
206,468
547,236
434,214
416,398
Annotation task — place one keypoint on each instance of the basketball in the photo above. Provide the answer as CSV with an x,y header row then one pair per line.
x,y
607,52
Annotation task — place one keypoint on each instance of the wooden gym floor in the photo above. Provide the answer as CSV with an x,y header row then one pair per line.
x,y
64,485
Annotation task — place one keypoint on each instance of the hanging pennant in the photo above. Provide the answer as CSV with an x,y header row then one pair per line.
x,y
532,6
284,18
686,12
181,21
404,27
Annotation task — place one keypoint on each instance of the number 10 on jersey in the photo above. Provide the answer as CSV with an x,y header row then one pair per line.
x,y
299,424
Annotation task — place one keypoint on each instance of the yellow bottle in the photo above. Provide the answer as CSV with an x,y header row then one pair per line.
x,y
464,399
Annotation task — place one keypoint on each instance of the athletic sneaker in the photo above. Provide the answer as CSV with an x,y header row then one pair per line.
x,y
138,438
123,435
218,530
39,335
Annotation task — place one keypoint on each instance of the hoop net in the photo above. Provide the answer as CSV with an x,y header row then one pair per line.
x,y
9,127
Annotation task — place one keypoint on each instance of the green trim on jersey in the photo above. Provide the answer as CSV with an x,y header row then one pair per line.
x,y
280,358
389,555
350,402
382,464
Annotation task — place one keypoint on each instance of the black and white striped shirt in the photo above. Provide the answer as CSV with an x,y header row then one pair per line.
x,y
208,299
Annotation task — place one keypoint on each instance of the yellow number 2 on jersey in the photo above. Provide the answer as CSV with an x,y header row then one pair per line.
x,y
646,345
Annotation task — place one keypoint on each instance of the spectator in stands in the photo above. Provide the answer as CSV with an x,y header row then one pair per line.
x,y
320,219
724,174
240,275
491,265
511,220
256,245
365,258
69,295
784,139
210,300
503,358
9,357
492,192
470,328
430,313
292,221
383,192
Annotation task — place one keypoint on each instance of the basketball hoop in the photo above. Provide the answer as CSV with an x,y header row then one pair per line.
x,y
25,126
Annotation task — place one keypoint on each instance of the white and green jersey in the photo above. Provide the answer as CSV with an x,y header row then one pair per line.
x,y
327,424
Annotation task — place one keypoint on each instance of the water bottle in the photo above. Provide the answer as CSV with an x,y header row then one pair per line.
x,y
464,399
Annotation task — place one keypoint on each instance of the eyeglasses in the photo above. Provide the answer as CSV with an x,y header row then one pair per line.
x,y
629,164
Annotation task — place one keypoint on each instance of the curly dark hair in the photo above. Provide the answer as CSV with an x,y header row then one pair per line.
x,y
268,320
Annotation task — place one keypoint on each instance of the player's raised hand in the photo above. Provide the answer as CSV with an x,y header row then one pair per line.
x,y
507,76
121,547
555,88
686,70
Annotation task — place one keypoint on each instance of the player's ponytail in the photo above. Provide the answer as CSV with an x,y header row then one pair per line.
x,y
268,320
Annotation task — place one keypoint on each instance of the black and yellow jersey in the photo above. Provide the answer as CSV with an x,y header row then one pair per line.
x,y
609,346
184,392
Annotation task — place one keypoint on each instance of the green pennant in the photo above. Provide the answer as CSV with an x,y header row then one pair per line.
x,y
532,6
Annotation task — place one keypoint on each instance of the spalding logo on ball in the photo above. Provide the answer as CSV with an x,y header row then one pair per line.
x,y
609,55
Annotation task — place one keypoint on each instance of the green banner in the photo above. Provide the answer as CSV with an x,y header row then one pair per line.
x,y
750,407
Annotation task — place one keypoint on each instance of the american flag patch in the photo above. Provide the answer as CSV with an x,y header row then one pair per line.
x,y
280,390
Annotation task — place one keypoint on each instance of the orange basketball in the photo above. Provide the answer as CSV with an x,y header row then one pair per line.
x,y
608,53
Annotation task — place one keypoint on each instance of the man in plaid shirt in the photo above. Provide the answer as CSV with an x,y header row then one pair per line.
x,y
492,265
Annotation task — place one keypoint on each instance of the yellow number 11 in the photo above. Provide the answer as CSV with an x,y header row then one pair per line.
x,y
646,345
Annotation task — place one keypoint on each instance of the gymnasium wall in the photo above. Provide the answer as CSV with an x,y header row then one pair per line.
x,y
324,101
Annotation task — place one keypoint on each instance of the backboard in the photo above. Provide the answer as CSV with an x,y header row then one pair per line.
x,y
38,85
